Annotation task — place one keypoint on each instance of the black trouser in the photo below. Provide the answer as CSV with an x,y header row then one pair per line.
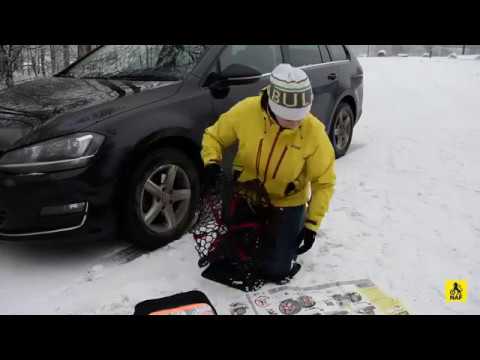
x,y
281,244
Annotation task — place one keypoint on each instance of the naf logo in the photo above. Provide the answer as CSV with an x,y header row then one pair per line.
x,y
456,291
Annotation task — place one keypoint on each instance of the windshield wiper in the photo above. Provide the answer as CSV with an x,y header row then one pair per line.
x,y
64,75
38,114
144,77
138,77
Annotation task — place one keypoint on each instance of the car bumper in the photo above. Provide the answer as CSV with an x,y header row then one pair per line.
x,y
66,204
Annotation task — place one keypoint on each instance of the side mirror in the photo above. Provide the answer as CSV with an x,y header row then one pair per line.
x,y
234,74
237,74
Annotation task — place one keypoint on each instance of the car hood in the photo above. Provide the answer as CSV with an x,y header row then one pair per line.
x,y
41,103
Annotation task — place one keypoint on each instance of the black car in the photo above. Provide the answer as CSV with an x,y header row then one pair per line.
x,y
111,145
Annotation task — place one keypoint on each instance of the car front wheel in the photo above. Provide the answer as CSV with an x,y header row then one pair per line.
x,y
162,193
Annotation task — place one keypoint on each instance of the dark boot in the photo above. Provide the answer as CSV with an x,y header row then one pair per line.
x,y
235,275
284,279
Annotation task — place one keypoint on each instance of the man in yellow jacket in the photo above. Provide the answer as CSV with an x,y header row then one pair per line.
x,y
284,146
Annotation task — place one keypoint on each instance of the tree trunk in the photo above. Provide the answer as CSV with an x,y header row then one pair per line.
x,y
83,50
20,62
39,62
53,57
33,61
9,77
42,60
3,62
8,66
66,55
147,56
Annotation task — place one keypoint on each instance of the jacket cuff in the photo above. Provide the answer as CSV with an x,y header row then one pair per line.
x,y
210,162
312,225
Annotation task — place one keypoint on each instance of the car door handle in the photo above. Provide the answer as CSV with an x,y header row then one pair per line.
x,y
332,76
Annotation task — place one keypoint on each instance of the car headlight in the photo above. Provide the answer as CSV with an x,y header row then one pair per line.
x,y
53,155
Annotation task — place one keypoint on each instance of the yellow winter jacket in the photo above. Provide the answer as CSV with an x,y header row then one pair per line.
x,y
303,156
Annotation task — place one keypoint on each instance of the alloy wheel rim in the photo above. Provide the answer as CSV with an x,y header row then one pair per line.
x,y
165,198
342,130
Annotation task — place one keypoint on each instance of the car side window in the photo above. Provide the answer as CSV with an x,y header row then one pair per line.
x,y
338,52
325,54
263,58
302,55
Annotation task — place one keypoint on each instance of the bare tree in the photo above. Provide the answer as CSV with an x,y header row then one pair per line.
x,y
42,60
3,62
8,58
21,61
53,58
33,61
66,55
429,49
83,50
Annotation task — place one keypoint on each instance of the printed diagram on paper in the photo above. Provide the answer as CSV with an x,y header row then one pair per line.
x,y
360,297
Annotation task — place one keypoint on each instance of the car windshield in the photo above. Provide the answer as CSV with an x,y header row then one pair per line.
x,y
138,62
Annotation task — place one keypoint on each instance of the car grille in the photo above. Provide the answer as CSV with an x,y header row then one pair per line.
x,y
3,217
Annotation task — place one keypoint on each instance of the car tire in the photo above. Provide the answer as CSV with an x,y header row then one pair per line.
x,y
156,211
341,132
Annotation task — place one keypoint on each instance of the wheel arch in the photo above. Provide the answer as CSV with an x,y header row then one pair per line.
x,y
175,137
346,97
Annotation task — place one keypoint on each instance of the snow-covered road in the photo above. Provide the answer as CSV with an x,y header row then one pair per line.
x,y
405,213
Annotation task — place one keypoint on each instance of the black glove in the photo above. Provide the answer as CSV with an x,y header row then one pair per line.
x,y
212,173
308,237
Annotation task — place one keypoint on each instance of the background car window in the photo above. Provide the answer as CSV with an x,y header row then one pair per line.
x,y
338,52
301,55
325,54
263,58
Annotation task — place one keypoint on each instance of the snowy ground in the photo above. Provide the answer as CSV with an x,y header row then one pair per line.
x,y
405,213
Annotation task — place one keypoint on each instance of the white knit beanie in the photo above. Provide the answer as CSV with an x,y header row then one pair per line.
x,y
290,93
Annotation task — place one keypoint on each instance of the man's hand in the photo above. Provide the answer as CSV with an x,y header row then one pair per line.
x,y
308,240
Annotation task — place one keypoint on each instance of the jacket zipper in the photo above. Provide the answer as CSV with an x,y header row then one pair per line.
x,y
280,161
259,154
270,156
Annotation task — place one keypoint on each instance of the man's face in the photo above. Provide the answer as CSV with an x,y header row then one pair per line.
x,y
289,124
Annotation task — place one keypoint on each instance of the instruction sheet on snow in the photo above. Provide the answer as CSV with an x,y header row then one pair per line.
x,y
360,297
